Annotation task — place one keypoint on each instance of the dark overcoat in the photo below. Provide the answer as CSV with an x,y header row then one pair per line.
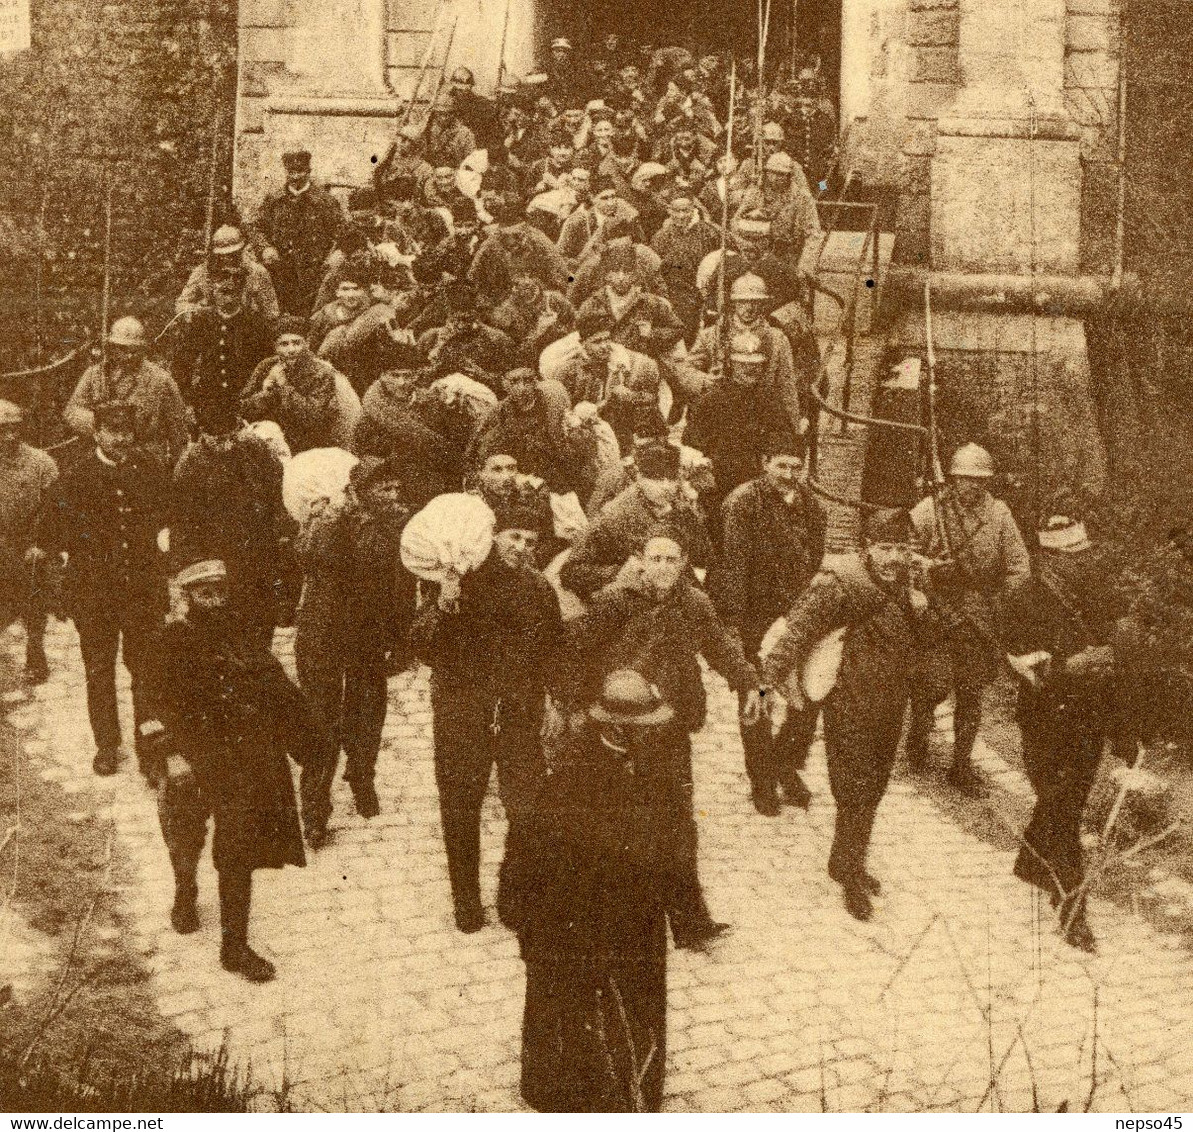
x,y
584,886
233,714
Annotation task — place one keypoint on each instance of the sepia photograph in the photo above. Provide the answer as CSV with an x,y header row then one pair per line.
x,y
596,556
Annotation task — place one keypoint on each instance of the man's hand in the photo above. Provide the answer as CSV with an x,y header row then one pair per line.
x,y
632,575
751,710
269,256
449,592
554,723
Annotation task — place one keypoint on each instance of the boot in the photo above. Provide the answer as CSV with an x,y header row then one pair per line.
x,y
236,890
965,779
184,916
867,881
703,940
766,801
1078,934
796,792
857,901
470,920
106,761
364,794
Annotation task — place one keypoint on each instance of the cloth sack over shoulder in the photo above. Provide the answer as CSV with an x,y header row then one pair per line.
x,y
817,677
320,473
454,532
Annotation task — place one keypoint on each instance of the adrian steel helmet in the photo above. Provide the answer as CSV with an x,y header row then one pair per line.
x,y
780,163
128,332
972,460
227,240
748,288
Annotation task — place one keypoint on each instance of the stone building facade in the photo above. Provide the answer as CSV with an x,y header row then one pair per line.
x,y
994,125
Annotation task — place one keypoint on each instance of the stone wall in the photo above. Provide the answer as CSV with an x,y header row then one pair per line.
x,y
335,76
913,78
119,92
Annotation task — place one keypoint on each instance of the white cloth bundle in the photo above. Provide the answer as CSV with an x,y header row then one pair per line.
x,y
320,473
454,532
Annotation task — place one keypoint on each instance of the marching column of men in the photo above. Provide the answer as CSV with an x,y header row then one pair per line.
x,y
560,336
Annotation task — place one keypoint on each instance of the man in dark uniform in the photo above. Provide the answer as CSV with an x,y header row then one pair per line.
x,y
493,641
353,624
227,504
740,417
478,113
772,542
297,227
231,716
218,349
1073,648
871,596
585,887
108,516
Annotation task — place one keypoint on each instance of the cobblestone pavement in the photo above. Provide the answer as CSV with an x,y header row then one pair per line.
x,y
381,1004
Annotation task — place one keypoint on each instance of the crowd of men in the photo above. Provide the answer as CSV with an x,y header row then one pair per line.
x,y
573,308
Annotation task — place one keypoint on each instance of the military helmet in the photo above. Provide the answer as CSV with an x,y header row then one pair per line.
x,y
748,288
627,697
128,332
227,240
972,460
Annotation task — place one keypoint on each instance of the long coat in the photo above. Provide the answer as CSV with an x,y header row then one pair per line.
x,y
990,563
303,228
227,504
733,425
770,551
863,715
215,357
232,713
583,884
357,596
107,518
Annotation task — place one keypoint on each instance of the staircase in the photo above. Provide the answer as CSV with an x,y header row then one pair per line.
x,y
844,262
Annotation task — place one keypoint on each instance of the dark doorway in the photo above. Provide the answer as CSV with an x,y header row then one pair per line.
x,y
806,27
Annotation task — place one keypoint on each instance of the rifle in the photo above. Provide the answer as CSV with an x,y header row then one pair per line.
x,y
722,305
423,67
105,300
505,27
209,221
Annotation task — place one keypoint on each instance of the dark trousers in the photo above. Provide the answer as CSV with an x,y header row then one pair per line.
x,y
775,760
472,732
1061,752
104,635
350,696
183,811
967,717
860,755
24,597
687,910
